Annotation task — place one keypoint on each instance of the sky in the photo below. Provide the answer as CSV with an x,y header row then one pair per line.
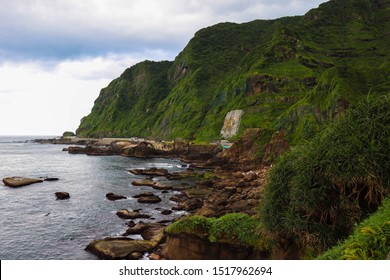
x,y
56,55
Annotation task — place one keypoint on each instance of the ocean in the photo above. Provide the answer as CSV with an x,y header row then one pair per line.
x,y
34,225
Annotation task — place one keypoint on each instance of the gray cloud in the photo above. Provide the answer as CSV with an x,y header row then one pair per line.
x,y
61,29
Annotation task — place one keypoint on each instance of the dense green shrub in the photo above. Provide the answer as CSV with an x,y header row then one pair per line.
x,y
319,190
369,241
233,228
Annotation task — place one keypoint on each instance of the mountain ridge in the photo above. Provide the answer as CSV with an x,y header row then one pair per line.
x,y
294,74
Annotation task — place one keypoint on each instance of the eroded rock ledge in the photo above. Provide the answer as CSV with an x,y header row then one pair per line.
x,y
185,246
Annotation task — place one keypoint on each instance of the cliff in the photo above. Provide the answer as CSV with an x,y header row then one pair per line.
x,y
294,74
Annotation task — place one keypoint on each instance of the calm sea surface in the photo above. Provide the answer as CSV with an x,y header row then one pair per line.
x,y
34,225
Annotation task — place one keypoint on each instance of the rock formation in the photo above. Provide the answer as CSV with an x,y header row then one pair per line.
x,y
20,181
231,125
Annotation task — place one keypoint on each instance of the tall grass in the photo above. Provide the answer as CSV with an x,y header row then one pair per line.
x,y
319,190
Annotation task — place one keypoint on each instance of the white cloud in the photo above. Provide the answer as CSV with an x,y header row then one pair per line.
x,y
49,98
56,55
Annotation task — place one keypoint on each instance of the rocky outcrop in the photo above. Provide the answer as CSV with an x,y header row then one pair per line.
x,y
62,195
20,181
126,214
149,199
120,248
190,247
150,172
113,196
145,149
94,150
231,124
150,183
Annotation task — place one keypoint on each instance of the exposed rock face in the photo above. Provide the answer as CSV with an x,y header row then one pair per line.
x,y
120,248
231,124
95,150
149,199
150,172
190,247
151,183
20,181
62,195
126,214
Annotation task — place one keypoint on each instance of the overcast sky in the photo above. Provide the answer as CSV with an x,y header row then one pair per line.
x,y
56,55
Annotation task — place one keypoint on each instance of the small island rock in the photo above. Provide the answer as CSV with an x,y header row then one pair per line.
x,y
113,196
62,195
126,214
20,181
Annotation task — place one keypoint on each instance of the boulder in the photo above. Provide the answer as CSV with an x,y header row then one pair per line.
x,y
20,181
136,229
166,212
120,248
126,214
154,232
145,194
142,150
113,197
191,204
151,183
62,195
149,199
150,172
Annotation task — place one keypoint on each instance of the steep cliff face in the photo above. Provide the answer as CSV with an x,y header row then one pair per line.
x,y
293,74
127,106
231,124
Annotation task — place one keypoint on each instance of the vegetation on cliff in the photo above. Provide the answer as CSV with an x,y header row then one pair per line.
x,y
369,241
318,191
294,74
319,82
234,228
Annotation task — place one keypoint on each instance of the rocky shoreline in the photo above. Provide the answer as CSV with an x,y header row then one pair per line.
x,y
228,181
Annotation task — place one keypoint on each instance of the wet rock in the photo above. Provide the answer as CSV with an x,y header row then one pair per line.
x,y
120,248
178,198
136,229
149,199
155,257
50,179
197,192
20,181
150,172
144,194
142,150
178,208
62,195
166,212
154,233
131,224
113,197
95,150
151,183
191,204
126,214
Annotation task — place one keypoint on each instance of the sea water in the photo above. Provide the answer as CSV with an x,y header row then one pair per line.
x,y
34,225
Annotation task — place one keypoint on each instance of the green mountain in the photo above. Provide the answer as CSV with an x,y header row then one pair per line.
x,y
293,74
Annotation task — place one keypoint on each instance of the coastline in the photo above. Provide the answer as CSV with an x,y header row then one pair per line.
x,y
221,188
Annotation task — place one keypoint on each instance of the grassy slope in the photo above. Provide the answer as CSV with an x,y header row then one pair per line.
x,y
293,73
